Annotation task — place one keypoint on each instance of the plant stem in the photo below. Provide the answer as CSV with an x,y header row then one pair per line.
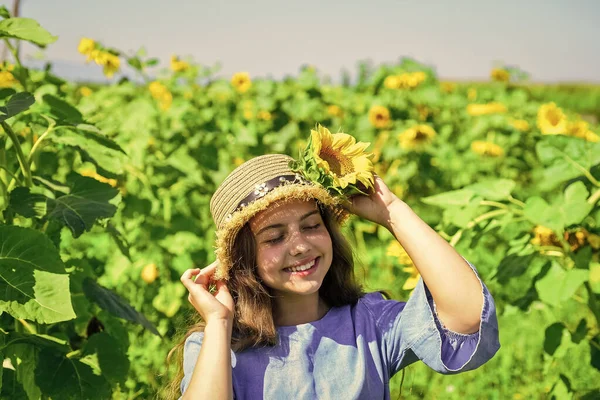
x,y
14,52
13,176
22,160
27,326
584,171
515,201
594,197
491,214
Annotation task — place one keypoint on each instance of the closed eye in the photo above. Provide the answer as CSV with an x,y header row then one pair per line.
x,y
313,226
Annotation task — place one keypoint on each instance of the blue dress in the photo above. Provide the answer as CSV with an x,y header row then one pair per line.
x,y
353,351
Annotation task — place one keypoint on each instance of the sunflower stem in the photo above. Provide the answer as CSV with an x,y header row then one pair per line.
x,y
21,157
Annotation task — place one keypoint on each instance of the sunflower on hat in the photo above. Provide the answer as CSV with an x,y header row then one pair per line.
x,y
337,162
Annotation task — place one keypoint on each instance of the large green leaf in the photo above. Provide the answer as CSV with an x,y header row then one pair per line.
x,y
60,377
33,282
18,103
24,359
460,197
113,303
26,29
27,204
565,158
87,202
100,149
575,207
559,285
109,356
61,110
493,189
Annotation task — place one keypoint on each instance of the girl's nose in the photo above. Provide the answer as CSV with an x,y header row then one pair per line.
x,y
298,244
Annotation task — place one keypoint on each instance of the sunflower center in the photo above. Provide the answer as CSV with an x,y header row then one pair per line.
x,y
553,117
421,136
380,117
338,163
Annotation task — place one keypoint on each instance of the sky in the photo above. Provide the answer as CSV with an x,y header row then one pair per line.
x,y
552,40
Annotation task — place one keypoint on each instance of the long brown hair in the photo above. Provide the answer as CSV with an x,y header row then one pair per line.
x,y
253,323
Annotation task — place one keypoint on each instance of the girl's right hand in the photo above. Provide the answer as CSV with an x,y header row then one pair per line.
x,y
211,307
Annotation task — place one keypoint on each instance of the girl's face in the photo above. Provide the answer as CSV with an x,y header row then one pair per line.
x,y
293,247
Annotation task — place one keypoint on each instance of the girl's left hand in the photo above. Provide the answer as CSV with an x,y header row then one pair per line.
x,y
376,206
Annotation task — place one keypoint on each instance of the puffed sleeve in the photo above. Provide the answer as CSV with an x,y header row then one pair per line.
x,y
191,351
411,331
443,350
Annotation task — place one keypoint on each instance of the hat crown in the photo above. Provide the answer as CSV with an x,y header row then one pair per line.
x,y
243,180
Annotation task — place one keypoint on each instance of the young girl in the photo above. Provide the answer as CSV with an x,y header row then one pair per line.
x,y
288,320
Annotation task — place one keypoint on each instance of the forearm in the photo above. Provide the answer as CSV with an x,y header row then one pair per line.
x,y
212,375
453,285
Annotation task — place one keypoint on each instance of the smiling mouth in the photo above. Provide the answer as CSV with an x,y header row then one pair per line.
x,y
303,269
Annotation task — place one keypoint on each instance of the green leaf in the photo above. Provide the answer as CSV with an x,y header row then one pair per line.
x,y
61,110
566,158
4,13
33,281
553,337
24,359
16,104
26,29
111,357
84,205
27,204
460,197
100,149
493,189
60,377
113,303
559,285
539,212
575,206
151,62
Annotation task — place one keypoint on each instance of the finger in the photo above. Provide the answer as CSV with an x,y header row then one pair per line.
x,y
187,275
205,275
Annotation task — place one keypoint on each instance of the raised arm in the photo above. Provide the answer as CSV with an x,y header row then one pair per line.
x,y
453,284
211,377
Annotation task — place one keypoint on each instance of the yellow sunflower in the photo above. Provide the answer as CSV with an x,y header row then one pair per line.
x,y
544,237
241,82
592,137
500,75
335,111
85,91
392,82
551,120
86,45
487,148
520,125
111,65
177,65
485,109
7,79
448,87
395,249
379,116
340,156
581,130
416,137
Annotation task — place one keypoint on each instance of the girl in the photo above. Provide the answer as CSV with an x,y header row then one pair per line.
x,y
287,319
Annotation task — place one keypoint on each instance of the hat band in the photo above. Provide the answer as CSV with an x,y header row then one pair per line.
x,y
261,189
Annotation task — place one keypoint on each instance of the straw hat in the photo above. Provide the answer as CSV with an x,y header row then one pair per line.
x,y
251,188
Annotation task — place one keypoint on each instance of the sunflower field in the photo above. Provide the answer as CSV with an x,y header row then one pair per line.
x,y
105,189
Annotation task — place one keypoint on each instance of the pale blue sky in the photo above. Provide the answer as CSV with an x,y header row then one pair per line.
x,y
553,40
